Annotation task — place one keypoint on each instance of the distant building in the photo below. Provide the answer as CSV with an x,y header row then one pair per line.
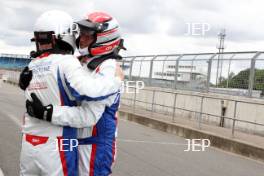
x,y
185,74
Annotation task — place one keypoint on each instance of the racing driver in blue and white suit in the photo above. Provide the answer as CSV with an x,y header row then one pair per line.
x,y
97,119
58,79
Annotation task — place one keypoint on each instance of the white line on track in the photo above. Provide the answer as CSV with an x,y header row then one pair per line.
x,y
149,142
1,172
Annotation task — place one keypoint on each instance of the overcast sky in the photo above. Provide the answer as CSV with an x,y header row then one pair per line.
x,y
148,26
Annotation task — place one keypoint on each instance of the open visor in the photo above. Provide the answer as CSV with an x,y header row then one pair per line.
x,y
89,26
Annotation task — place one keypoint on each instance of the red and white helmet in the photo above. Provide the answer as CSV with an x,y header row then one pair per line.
x,y
106,32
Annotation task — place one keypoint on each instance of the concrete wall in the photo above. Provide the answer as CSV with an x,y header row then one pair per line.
x,y
188,105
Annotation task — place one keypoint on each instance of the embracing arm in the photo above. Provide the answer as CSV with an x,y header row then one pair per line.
x,y
85,115
84,87
82,116
89,112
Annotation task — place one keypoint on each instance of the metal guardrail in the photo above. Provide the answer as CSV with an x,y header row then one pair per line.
x,y
236,73
201,112
13,77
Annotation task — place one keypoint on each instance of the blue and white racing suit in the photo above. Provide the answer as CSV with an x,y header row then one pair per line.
x,y
58,80
97,123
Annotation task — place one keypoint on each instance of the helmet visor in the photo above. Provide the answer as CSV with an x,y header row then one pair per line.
x,y
89,26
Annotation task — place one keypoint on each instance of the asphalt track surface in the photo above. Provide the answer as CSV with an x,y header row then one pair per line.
x,y
141,151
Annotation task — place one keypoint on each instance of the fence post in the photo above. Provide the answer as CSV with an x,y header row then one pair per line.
x,y
201,113
135,96
252,74
174,108
150,71
234,120
131,67
152,102
228,72
176,71
209,72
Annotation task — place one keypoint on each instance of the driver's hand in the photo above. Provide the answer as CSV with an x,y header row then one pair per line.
x,y
25,78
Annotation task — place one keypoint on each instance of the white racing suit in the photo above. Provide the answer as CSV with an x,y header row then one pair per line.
x,y
52,75
97,123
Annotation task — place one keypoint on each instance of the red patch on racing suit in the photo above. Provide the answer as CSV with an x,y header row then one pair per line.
x,y
36,140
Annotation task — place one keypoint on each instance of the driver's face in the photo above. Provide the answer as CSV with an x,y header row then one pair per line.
x,y
86,38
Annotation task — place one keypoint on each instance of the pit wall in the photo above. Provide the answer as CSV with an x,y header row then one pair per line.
x,y
203,107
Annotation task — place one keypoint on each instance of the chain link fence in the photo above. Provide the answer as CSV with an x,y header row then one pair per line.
x,y
235,73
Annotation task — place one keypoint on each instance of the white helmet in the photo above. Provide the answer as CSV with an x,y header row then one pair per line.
x,y
55,23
